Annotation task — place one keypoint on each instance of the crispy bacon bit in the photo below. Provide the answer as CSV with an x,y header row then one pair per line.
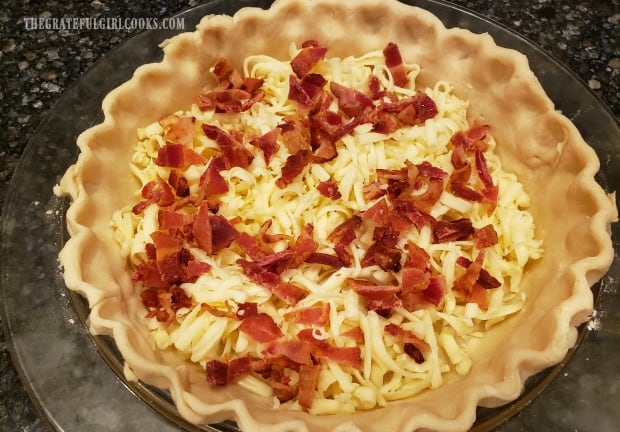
x,y
308,379
329,189
350,101
168,252
343,235
293,166
170,220
406,336
318,315
181,131
164,302
485,236
276,262
295,134
308,91
221,373
234,152
211,181
299,351
412,213
394,62
356,334
252,247
324,259
288,292
260,327
378,213
414,352
465,285
373,190
222,232
227,75
450,231
155,192
202,231
417,257
350,356
428,199
371,291
414,282
247,309
304,246
485,279
307,57
179,183
267,143
177,156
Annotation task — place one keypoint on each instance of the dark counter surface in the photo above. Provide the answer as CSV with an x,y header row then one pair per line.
x,y
37,66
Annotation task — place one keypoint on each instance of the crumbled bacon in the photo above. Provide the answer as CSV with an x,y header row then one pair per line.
x,y
181,131
467,285
202,231
222,232
350,356
484,278
450,231
260,327
307,57
299,351
308,379
179,183
406,336
234,152
288,292
318,315
222,373
371,291
329,189
324,259
211,181
178,156
394,62
155,192
293,166
343,235
304,247
267,143
485,236
351,102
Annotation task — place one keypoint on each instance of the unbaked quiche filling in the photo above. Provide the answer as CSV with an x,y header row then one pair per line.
x,y
322,231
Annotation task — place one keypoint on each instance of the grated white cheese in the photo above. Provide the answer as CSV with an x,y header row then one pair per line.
x,y
387,373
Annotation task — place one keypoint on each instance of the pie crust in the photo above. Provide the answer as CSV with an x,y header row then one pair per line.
x,y
541,146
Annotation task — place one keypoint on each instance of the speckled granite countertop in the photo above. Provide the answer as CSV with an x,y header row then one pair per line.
x,y
36,66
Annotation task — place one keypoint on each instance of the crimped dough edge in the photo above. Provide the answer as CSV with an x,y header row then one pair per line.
x,y
542,147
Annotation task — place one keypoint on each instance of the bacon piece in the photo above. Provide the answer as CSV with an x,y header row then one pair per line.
x,y
276,262
414,352
155,192
304,246
222,232
164,302
427,200
374,88
299,351
417,258
306,58
383,251
211,181
371,291
195,269
484,278
414,282
267,143
149,274
202,230
252,247
234,152
177,156
406,336
181,131
470,138
222,373
329,189
350,101
260,327
293,166
288,292
343,235
318,315
227,75
295,134
350,356
308,379
168,256
409,210
356,334
179,183
308,91
378,213
485,236
435,291
170,220
324,259
247,309
217,372
449,231
394,62
232,100
373,190
464,284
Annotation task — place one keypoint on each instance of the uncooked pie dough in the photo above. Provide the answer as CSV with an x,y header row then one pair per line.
x,y
533,144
